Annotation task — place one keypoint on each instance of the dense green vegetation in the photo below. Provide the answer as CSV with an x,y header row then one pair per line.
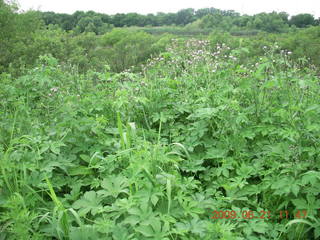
x,y
90,45
132,135
206,18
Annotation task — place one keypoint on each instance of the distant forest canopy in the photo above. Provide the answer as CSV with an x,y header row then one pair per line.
x,y
206,18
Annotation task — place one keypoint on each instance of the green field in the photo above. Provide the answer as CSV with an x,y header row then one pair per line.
x,y
128,135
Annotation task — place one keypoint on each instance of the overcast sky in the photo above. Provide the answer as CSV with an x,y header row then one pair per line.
x,y
153,6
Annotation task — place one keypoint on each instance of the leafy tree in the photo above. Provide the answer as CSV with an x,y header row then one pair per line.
x,y
303,20
205,11
151,20
216,21
65,21
185,16
85,24
269,22
284,16
242,21
134,19
16,33
166,19
92,24
118,20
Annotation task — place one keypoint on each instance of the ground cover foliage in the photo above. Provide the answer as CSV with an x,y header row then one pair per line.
x,y
151,154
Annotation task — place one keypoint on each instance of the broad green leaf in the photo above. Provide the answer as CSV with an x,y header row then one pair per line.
x,y
90,202
146,231
114,185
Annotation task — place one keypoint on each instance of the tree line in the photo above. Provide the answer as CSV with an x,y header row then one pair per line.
x,y
205,18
